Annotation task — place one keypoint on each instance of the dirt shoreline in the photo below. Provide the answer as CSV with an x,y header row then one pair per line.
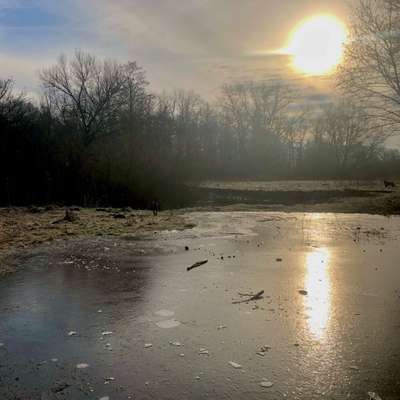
x,y
22,228
384,203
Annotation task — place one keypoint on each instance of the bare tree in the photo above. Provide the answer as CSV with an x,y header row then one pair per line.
x,y
370,72
295,129
346,129
187,106
135,98
235,105
256,110
86,92
6,86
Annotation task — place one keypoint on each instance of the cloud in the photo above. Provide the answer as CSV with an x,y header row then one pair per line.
x,y
24,70
191,44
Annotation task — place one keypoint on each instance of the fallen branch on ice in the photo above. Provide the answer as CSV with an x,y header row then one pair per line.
x,y
257,296
198,264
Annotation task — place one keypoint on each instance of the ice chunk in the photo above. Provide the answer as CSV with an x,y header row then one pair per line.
x,y
164,313
266,384
82,366
235,365
167,324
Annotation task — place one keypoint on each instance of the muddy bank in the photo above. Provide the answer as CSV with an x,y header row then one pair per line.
x,y
26,227
366,197
23,228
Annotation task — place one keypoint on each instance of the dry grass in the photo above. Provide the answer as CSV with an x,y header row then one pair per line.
x,y
20,227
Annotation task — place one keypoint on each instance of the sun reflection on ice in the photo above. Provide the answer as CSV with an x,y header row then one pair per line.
x,y
317,303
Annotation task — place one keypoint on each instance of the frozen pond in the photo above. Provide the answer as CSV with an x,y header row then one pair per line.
x,y
123,318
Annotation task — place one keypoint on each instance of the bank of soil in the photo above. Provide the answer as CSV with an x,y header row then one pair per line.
x,y
365,197
25,227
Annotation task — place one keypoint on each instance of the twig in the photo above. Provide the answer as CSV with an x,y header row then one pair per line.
x,y
257,296
198,264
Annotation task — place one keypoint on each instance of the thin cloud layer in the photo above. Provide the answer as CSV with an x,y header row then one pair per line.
x,y
196,44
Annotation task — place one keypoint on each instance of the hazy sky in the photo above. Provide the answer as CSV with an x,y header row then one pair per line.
x,y
190,44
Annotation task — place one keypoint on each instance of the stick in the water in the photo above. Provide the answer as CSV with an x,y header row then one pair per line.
x,y
198,264
257,296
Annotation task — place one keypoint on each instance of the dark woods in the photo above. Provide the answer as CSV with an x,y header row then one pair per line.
x,y
99,137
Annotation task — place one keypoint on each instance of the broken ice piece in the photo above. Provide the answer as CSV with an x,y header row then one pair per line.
x,y
221,327
261,353
72,333
148,345
266,384
235,365
82,366
203,351
167,324
177,344
1,344
106,333
164,313
54,360
265,348
182,355
104,398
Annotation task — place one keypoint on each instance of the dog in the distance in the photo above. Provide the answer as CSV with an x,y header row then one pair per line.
x,y
389,184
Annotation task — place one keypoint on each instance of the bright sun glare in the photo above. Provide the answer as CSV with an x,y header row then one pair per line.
x,y
316,44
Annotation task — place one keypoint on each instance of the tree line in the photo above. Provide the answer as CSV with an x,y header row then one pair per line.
x,y
99,136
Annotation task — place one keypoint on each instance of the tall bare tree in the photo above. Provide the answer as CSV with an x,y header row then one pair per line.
x,y
85,92
256,110
345,128
370,72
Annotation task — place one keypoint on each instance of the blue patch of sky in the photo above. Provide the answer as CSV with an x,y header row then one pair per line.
x,y
32,16
27,28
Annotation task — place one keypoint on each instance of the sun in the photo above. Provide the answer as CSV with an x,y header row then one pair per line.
x,y
316,45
